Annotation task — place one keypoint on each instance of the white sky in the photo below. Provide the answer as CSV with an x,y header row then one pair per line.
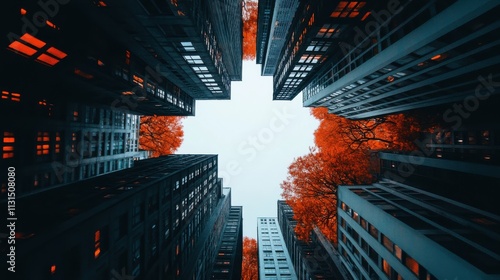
x,y
256,140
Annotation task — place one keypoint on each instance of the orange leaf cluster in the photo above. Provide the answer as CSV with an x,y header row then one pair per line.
x,y
250,265
250,9
341,157
162,135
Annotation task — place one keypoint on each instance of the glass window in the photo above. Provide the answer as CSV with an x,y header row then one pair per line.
x,y
411,264
387,243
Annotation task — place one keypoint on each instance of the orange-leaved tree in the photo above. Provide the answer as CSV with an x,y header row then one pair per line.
x,y
249,29
311,186
162,135
249,267
389,132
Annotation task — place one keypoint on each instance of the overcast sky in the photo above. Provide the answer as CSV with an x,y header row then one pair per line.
x,y
256,140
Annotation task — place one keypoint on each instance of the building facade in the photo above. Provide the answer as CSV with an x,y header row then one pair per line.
x,y
390,230
362,59
56,143
161,219
229,259
274,260
315,258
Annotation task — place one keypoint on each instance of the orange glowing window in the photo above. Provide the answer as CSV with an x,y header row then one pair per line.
x,y
347,9
23,11
30,45
83,74
127,57
97,243
53,269
47,59
56,52
436,57
22,48
102,4
138,80
50,24
365,16
42,149
8,145
58,140
13,96
33,40
43,137
100,63
411,264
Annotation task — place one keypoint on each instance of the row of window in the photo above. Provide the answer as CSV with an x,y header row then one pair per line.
x,y
401,255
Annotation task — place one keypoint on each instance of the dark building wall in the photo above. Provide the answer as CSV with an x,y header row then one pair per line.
x,y
409,55
53,142
153,221
229,258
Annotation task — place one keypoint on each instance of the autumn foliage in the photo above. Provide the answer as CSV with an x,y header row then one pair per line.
x,y
249,29
250,270
341,157
162,135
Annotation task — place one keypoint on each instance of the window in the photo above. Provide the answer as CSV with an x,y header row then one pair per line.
x,y
373,231
13,96
29,45
8,145
386,267
347,9
411,264
43,143
100,244
188,46
193,59
387,243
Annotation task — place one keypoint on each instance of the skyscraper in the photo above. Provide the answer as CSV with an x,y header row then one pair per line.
x,y
274,259
315,258
230,255
161,219
390,230
363,59
53,142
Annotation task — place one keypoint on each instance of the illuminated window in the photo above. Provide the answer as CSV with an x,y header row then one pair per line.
x,y
97,244
329,31
53,269
200,69
347,9
138,80
188,46
29,45
8,145
83,74
387,243
13,96
411,264
127,57
386,267
193,59
58,142
43,143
